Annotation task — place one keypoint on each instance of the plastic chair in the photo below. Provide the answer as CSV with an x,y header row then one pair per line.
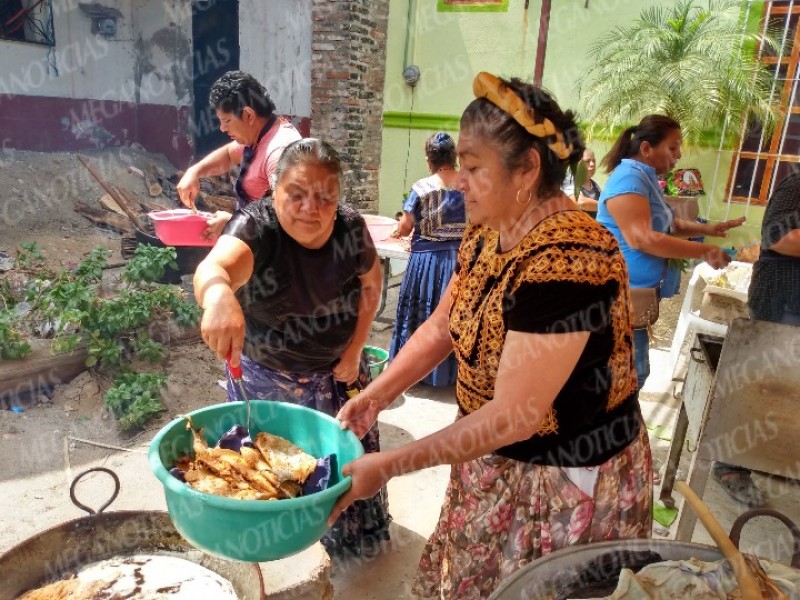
x,y
689,323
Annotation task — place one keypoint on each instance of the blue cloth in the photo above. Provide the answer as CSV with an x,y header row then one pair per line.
x,y
364,526
439,224
672,282
634,177
424,282
641,355
439,216
320,479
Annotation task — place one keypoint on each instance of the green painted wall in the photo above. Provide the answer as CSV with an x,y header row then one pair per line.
x,y
451,47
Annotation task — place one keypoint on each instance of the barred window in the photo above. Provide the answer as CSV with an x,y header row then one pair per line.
x,y
27,21
763,159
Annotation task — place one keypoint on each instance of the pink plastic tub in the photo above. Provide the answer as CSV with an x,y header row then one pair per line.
x,y
380,227
181,227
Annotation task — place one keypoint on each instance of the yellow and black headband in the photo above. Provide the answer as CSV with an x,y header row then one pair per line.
x,y
503,97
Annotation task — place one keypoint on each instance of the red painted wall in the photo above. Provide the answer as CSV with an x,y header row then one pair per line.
x,y
57,124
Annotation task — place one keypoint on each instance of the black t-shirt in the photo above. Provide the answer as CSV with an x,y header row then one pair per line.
x,y
775,283
593,193
300,305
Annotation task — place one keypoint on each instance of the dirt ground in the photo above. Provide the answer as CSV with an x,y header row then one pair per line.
x,y
54,438
38,191
37,194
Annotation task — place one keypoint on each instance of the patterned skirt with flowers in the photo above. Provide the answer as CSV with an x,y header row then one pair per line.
x,y
500,514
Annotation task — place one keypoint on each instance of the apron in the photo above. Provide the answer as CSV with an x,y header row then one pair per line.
x,y
248,154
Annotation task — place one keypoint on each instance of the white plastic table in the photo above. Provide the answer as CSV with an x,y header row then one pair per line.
x,y
388,250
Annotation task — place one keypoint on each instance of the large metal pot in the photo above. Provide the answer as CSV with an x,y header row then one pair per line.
x,y
592,570
51,554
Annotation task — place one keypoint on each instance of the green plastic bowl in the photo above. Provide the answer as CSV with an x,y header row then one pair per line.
x,y
253,530
377,357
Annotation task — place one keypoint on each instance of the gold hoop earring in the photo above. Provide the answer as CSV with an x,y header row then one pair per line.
x,y
530,197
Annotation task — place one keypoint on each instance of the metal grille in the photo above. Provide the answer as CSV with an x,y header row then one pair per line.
x,y
27,21
762,159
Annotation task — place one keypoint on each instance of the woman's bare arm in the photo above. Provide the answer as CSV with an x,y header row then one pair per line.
x,y
632,214
533,369
228,267
371,282
406,224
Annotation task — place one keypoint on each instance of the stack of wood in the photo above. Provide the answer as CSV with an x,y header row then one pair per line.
x,y
216,193
125,211
120,209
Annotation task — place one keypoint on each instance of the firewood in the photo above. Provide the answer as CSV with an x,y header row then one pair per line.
x,y
226,203
133,201
110,190
107,202
149,205
151,177
129,204
217,185
128,246
104,217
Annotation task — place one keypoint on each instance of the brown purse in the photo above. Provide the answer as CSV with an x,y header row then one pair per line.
x,y
644,306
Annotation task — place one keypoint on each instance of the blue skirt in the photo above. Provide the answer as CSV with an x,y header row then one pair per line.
x,y
364,526
424,282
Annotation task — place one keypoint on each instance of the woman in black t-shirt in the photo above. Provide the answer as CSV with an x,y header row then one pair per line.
x,y
290,291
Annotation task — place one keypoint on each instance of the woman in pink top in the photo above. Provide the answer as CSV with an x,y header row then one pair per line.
x,y
247,114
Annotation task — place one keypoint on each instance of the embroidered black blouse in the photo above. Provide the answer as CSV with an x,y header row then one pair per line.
x,y
566,275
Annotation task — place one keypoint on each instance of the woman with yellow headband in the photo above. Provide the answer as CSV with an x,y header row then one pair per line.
x,y
549,449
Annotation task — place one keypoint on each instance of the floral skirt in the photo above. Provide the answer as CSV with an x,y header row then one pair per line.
x,y
364,526
500,514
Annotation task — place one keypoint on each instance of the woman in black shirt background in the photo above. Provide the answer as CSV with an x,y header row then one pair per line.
x,y
290,291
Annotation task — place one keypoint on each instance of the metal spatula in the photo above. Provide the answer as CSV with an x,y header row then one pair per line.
x,y
236,375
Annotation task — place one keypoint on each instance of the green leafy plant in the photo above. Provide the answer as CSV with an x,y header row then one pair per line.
x,y
693,61
12,344
679,264
7,297
149,263
135,398
580,175
30,257
75,306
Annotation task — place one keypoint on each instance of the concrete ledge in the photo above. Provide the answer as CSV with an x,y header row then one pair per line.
x,y
303,576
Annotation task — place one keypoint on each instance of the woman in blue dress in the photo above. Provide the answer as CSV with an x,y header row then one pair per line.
x,y
434,211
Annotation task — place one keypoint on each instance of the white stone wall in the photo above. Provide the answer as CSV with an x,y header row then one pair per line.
x,y
275,42
163,66
140,63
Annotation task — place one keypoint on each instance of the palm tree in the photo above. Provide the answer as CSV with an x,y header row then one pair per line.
x,y
693,63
